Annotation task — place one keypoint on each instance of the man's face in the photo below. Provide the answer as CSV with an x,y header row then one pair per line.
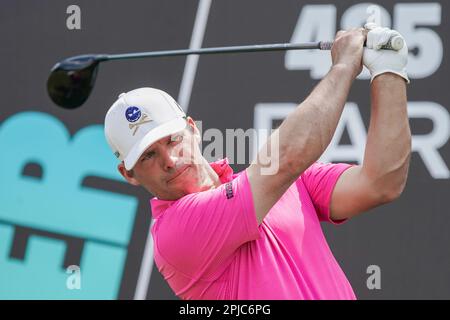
x,y
171,167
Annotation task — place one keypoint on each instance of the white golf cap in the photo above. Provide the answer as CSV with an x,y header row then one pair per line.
x,y
138,119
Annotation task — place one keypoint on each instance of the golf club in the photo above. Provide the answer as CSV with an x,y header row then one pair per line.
x,y
71,80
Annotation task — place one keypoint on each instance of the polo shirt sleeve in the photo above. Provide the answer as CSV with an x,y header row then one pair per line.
x,y
320,180
200,232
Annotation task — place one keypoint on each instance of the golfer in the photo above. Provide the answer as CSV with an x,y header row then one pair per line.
x,y
249,235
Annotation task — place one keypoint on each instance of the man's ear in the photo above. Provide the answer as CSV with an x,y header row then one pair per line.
x,y
193,128
127,174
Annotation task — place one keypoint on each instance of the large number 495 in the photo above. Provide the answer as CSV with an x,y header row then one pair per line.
x,y
412,20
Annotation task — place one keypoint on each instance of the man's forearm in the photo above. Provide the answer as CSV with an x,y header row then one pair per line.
x,y
388,148
306,132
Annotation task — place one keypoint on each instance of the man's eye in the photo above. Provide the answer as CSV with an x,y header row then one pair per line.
x,y
176,138
148,156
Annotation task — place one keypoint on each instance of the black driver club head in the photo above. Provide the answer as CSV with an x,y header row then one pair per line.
x,y
71,80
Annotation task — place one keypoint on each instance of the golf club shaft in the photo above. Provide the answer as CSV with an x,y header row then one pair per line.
x,y
395,43
322,45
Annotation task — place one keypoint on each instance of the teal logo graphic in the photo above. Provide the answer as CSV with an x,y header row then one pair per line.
x,y
58,203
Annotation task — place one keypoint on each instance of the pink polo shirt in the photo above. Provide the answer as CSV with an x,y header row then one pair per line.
x,y
208,245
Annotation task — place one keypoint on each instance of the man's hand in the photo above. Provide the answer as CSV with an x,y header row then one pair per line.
x,y
383,61
347,50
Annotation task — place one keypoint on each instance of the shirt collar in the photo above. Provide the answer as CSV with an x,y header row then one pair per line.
x,y
221,167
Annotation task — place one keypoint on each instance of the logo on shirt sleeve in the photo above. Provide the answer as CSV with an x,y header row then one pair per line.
x,y
229,190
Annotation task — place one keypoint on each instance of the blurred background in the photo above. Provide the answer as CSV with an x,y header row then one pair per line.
x,y
71,228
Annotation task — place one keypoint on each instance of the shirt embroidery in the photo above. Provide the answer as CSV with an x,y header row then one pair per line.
x,y
229,190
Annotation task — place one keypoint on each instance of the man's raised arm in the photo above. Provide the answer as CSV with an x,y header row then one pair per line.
x,y
306,132
383,175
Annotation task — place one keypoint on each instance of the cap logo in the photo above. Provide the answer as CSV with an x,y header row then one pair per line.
x,y
137,124
132,114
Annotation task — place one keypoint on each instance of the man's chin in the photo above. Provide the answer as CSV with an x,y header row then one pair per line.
x,y
183,188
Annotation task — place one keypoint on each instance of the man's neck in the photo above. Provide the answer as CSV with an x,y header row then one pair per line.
x,y
209,178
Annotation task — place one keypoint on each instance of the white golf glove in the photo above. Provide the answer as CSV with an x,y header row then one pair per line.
x,y
380,61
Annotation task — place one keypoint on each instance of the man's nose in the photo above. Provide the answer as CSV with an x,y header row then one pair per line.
x,y
171,158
